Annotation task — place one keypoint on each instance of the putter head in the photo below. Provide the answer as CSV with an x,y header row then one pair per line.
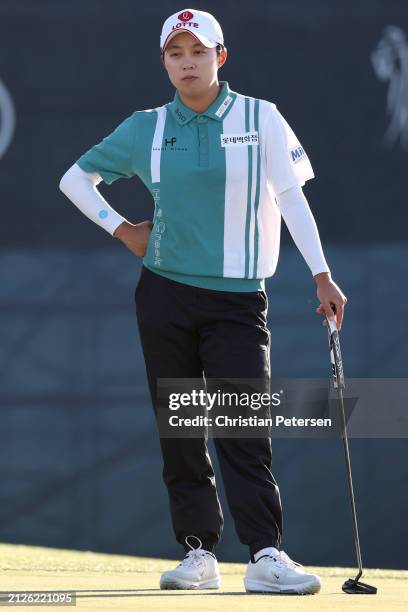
x,y
354,587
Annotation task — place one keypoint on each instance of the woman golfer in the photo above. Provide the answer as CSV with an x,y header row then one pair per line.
x,y
222,169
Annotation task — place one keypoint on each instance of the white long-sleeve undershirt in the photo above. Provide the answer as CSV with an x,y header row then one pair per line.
x,y
80,188
301,224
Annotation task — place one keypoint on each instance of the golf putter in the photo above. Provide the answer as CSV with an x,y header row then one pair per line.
x,y
352,586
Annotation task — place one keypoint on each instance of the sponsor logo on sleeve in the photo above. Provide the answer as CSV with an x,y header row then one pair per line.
x,y
297,154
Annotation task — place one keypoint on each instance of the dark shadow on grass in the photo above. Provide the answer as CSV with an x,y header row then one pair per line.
x,y
174,593
151,593
99,593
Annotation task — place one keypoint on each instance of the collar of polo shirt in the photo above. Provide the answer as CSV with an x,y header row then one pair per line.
x,y
218,109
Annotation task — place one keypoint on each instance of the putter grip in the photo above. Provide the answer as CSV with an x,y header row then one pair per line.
x,y
331,322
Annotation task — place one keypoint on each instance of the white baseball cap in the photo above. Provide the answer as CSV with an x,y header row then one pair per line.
x,y
200,24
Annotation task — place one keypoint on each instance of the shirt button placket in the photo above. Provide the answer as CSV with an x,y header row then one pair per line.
x,y
203,145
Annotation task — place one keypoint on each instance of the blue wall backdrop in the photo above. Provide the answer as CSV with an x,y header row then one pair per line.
x,y
80,464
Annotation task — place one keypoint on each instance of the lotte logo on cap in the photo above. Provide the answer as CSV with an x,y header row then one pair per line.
x,y
186,16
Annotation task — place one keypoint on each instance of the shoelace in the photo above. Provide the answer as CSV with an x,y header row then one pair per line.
x,y
195,555
283,560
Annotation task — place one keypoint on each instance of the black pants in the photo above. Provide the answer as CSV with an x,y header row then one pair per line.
x,y
184,332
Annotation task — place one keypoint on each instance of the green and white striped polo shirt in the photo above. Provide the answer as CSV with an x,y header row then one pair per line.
x,y
213,177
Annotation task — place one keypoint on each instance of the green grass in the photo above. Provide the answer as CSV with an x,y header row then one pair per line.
x,y
123,582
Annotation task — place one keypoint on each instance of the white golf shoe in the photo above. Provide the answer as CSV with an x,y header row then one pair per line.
x,y
198,570
279,574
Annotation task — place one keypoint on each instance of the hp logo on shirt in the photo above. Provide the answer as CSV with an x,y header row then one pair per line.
x,y
170,142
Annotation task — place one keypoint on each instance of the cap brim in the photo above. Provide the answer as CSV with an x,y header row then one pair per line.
x,y
202,39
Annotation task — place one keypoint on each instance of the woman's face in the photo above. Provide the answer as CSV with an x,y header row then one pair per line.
x,y
192,67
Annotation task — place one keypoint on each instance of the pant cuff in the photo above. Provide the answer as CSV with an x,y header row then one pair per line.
x,y
209,545
253,548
